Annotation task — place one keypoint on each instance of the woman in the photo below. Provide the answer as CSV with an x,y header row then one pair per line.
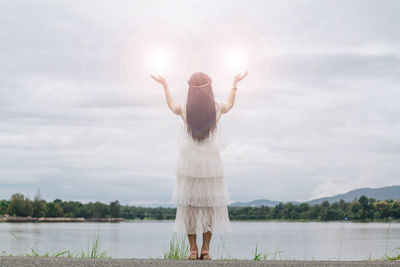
x,y
200,191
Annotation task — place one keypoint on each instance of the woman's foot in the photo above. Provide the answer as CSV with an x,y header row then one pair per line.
x,y
194,255
204,255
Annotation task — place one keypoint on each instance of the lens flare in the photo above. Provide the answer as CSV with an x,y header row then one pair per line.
x,y
235,60
158,50
158,60
231,50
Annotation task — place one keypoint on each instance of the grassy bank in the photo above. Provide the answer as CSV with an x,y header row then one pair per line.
x,y
92,251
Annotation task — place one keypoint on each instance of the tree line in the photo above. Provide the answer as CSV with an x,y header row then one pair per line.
x,y
366,209
363,209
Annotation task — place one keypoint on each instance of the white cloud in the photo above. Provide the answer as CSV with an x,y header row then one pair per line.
x,y
317,115
242,153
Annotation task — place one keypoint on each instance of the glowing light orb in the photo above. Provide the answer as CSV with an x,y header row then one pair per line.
x,y
159,60
231,50
157,50
235,60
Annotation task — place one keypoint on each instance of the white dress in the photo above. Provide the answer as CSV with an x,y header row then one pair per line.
x,y
200,191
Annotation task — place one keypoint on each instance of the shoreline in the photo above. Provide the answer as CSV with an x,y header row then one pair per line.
x,y
81,219
57,219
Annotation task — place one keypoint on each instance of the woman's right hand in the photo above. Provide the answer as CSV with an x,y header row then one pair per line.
x,y
239,77
159,79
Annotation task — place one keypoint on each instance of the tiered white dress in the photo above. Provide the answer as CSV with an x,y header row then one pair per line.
x,y
200,191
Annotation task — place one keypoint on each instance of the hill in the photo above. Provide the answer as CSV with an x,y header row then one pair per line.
x,y
380,193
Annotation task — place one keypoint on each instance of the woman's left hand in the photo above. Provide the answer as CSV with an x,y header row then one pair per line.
x,y
240,77
159,79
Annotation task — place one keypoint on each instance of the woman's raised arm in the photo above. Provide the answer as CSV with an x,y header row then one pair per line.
x,y
225,107
175,108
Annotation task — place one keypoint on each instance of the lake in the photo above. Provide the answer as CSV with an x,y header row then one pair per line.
x,y
143,239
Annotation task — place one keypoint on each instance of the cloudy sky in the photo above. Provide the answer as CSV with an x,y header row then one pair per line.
x,y
80,118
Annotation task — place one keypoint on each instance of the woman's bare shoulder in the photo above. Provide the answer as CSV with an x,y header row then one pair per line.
x,y
222,107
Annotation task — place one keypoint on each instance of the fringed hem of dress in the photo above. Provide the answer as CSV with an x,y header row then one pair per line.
x,y
197,220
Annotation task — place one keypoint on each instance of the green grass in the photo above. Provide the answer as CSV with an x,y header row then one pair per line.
x,y
258,256
223,250
386,256
34,253
392,258
178,248
93,251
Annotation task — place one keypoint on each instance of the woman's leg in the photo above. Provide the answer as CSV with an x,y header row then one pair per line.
x,y
209,213
192,242
191,227
206,241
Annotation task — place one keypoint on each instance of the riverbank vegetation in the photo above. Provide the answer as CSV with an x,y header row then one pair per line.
x,y
93,251
361,209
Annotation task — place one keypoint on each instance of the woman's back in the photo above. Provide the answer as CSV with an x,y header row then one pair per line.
x,y
200,159
213,134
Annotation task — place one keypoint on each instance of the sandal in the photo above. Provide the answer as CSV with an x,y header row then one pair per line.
x,y
204,255
193,255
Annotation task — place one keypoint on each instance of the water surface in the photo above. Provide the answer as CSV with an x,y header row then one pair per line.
x,y
144,239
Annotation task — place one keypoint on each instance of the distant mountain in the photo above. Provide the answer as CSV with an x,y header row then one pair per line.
x,y
381,193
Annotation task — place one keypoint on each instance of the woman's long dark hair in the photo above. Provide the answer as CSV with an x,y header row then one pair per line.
x,y
200,107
